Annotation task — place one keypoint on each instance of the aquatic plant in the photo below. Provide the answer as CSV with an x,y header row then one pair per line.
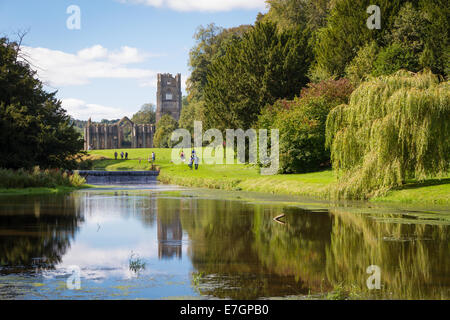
x,y
135,263
394,128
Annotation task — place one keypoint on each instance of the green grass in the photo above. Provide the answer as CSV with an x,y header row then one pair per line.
x,y
247,178
439,194
42,190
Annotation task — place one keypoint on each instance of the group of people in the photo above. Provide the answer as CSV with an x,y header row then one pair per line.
x,y
121,155
151,158
193,160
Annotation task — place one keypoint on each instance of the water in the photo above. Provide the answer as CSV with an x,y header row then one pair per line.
x,y
157,242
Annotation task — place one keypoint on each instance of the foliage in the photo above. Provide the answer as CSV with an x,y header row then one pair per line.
x,y
393,58
135,263
346,30
302,124
35,128
337,91
258,70
210,44
147,115
290,14
361,66
419,27
394,128
408,29
302,135
38,178
193,111
164,129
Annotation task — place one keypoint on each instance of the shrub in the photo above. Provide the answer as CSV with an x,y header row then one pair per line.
x,y
38,178
302,135
302,124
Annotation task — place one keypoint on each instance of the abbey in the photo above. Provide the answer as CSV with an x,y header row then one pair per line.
x,y
111,136
168,96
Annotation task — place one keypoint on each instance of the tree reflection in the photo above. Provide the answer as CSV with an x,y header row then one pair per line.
x,y
35,232
240,252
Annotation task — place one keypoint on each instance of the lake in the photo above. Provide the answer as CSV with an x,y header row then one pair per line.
x,y
166,242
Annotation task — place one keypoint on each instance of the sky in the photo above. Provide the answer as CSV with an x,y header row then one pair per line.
x,y
102,56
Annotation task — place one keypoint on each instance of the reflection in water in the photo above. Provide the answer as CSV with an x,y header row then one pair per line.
x,y
213,248
35,232
170,235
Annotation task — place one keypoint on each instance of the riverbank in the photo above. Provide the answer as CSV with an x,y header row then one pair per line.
x,y
247,178
42,190
36,181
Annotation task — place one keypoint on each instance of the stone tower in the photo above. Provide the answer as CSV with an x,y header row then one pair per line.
x,y
168,96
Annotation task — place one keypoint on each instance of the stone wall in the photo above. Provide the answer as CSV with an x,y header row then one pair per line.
x,y
168,96
110,136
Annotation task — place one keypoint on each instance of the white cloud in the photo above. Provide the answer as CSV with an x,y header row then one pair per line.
x,y
81,110
58,68
203,5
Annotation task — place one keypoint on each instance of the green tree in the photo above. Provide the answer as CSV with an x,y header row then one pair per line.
x,y
362,65
301,123
395,128
191,112
210,43
35,128
346,31
164,129
257,70
147,114
393,58
290,14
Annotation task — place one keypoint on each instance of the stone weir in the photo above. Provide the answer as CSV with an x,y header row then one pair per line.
x,y
118,177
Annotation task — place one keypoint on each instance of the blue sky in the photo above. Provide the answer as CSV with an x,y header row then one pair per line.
x,y
107,69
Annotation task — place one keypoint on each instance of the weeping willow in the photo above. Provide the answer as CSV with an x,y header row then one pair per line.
x,y
394,128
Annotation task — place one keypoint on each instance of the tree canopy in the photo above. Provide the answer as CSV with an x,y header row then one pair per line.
x,y
257,70
35,128
395,128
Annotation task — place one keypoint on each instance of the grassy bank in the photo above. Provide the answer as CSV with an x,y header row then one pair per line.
x,y
36,181
247,178
31,191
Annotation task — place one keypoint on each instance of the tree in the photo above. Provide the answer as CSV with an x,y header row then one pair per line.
x,y
210,43
346,31
395,128
164,129
35,128
301,123
362,65
393,58
257,70
147,114
291,14
191,112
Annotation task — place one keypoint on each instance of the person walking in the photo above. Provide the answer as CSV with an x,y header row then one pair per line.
x,y
126,155
182,156
191,161
153,156
121,155
115,155
196,162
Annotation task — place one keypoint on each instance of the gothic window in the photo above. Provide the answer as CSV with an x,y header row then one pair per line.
x,y
168,96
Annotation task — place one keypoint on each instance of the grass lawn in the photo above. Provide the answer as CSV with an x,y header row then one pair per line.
x,y
247,178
